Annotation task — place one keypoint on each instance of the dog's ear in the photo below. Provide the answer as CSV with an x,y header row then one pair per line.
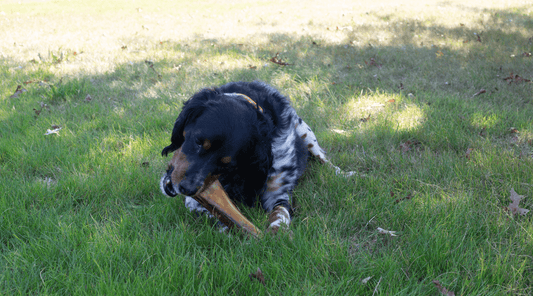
x,y
192,109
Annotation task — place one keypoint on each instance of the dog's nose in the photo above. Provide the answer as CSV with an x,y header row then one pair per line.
x,y
167,187
187,189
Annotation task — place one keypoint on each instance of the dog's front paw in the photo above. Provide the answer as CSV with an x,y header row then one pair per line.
x,y
279,219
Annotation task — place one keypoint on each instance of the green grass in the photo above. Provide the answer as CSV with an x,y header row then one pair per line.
x,y
388,88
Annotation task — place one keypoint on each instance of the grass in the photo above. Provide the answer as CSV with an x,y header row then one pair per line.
x,y
388,88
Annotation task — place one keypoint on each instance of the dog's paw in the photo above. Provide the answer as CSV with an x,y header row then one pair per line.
x,y
279,219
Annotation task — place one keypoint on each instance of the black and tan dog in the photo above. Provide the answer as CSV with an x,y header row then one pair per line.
x,y
248,136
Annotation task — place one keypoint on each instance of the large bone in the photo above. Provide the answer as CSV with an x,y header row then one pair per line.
x,y
213,197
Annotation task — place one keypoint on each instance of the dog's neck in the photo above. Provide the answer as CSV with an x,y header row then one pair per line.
x,y
247,98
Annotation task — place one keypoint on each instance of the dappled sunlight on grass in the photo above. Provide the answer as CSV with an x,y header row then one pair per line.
x,y
396,110
388,88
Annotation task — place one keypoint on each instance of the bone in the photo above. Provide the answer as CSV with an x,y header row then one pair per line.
x,y
214,198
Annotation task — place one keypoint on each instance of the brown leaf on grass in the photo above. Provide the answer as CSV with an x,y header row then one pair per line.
x,y
365,119
478,36
391,101
18,92
513,207
443,290
401,85
258,275
515,78
439,54
88,98
481,91
513,130
276,60
526,54
373,63
252,67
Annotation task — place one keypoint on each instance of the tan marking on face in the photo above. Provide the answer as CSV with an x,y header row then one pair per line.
x,y
180,164
304,136
296,125
273,184
207,144
184,132
310,145
226,159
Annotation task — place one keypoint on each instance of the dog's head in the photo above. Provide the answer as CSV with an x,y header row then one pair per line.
x,y
212,132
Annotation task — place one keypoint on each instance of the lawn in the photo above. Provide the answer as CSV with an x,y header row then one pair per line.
x,y
430,102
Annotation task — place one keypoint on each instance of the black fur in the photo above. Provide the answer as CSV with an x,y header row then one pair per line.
x,y
248,134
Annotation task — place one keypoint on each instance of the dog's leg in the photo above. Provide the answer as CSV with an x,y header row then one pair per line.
x,y
305,132
282,179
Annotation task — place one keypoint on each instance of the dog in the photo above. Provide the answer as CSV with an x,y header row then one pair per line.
x,y
248,136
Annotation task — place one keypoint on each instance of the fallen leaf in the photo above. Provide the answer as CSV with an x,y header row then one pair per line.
x,y
391,101
365,280
276,60
478,36
18,92
383,231
513,130
515,78
252,67
439,53
88,98
481,91
443,290
365,119
373,63
55,130
526,54
258,275
513,207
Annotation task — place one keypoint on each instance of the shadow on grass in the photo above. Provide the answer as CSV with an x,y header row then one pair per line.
x,y
378,97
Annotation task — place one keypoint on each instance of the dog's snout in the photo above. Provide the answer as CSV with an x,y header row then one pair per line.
x,y
187,188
